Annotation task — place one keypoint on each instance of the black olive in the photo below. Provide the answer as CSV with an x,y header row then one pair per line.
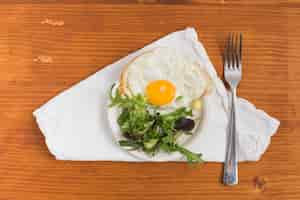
x,y
184,124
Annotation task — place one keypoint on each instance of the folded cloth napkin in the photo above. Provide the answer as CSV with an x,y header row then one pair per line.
x,y
75,123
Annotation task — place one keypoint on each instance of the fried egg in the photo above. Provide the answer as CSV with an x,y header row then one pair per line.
x,y
166,78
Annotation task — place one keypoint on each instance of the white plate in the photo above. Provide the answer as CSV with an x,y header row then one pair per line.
x,y
112,115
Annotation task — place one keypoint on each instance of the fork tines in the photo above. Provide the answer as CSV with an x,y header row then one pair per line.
x,y
233,51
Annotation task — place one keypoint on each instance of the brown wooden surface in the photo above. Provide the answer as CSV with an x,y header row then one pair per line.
x,y
46,47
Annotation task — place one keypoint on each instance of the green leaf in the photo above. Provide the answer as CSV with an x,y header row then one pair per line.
x,y
150,143
179,98
130,143
115,98
190,156
178,113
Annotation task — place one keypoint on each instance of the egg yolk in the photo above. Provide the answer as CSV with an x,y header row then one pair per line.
x,y
160,92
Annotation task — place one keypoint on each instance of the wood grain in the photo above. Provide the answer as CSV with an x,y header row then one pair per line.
x,y
38,60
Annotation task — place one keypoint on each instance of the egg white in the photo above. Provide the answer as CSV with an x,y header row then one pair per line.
x,y
189,79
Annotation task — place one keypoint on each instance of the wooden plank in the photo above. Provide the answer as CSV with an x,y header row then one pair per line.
x,y
170,2
40,58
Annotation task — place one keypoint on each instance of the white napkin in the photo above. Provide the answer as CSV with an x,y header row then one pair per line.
x,y
75,125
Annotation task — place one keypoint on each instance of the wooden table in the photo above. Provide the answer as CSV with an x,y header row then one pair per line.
x,y
46,47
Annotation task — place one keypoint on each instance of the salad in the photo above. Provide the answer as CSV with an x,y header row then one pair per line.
x,y
145,129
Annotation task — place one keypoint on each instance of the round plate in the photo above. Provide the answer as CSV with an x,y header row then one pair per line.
x,y
112,115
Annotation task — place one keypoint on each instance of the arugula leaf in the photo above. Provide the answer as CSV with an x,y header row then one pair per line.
x,y
179,98
178,113
190,156
150,144
115,99
130,143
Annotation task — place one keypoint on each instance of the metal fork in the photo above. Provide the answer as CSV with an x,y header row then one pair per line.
x,y
233,74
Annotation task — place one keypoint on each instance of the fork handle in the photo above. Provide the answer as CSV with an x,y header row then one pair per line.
x,y
230,176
